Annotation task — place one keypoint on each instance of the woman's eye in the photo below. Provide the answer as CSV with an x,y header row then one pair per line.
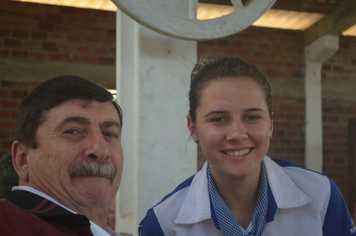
x,y
252,117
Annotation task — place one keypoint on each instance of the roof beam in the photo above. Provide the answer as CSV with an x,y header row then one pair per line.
x,y
334,23
289,5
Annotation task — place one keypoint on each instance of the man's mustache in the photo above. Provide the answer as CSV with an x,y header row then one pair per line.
x,y
90,168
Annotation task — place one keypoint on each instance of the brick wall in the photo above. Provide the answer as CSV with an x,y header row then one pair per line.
x,y
11,94
55,33
37,32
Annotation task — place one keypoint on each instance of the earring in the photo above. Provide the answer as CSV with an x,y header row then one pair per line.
x,y
270,137
197,142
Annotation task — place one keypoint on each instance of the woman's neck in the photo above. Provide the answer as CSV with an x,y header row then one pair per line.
x,y
239,194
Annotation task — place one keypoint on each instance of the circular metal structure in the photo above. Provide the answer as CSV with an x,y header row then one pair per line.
x,y
193,29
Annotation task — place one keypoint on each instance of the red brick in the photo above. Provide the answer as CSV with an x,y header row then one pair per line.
x,y
292,134
49,46
29,25
4,134
339,160
54,17
12,43
4,94
31,44
298,142
4,33
90,60
19,94
63,47
264,46
19,54
73,58
102,14
56,57
13,135
107,61
286,142
74,39
101,51
9,104
4,53
6,83
90,21
292,117
84,49
75,11
57,37
338,69
4,114
37,55
330,136
23,34
333,119
72,19
279,150
8,125
91,40
45,26
14,115
63,29
28,85
10,23
108,41
6,144
351,111
111,33
39,35
292,150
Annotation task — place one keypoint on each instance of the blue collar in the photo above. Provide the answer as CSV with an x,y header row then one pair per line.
x,y
224,219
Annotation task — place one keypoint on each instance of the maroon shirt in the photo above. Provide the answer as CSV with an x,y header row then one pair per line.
x,y
25,213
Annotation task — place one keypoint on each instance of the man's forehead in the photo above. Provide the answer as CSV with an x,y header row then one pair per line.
x,y
90,110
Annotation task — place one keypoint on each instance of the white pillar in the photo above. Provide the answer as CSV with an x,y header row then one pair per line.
x,y
153,77
316,54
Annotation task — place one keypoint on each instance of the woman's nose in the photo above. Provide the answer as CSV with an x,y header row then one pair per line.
x,y
237,131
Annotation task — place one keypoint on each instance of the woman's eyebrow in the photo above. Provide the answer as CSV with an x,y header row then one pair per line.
x,y
255,109
215,112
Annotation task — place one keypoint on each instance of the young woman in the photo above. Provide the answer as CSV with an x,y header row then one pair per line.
x,y
241,191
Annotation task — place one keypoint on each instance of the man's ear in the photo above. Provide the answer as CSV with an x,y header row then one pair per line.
x,y
192,128
19,160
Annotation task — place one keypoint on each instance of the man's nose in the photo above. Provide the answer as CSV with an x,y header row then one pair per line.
x,y
237,131
97,147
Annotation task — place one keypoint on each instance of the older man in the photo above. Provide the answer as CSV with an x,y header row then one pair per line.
x,y
69,159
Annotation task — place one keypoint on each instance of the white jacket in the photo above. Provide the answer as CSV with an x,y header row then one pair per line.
x,y
301,203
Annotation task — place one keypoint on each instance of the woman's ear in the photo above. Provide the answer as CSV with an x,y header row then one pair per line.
x,y
271,126
192,128
19,160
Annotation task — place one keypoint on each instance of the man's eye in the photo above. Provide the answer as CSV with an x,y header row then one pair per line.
x,y
218,119
110,135
71,131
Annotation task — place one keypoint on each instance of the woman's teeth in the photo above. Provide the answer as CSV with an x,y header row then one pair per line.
x,y
239,153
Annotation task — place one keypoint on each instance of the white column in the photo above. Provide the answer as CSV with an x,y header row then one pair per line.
x,y
316,54
153,77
